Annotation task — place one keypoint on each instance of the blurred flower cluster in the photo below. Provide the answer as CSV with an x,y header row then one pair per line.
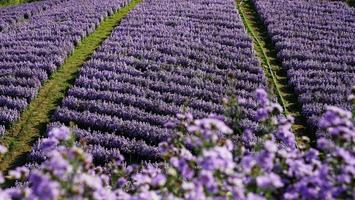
x,y
202,162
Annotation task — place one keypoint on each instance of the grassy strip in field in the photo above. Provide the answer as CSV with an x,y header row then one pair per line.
x,y
277,76
32,124
13,2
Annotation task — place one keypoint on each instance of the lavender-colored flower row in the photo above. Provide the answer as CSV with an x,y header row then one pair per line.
x,y
165,57
28,56
11,15
315,42
103,146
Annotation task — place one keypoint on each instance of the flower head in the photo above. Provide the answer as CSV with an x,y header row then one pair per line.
x,y
3,149
43,187
269,180
48,144
261,97
61,133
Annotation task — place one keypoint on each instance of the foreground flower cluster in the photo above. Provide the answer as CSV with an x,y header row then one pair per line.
x,y
201,162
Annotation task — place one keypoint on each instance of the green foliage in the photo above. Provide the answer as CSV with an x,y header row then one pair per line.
x,y
14,2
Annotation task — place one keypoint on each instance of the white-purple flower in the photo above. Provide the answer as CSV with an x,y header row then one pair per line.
x,y
261,97
269,180
207,179
19,173
61,133
4,195
3,149
252,196
183,167
217,158
42,187
58,165
48,144
210,124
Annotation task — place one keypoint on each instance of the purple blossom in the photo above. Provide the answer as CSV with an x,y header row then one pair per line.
x,y
150,175
58,165
4,195
158,180
183,167
104,194
48,144
298,168
325,144
193,190
210,124
207,178
121,182
262,98
61,133
147,195
347,156
3,149
311,154
43,187
91,181
217,158
252,196
269,180
247,163
262,114
285,134
270,146
19,172
249,138
265,160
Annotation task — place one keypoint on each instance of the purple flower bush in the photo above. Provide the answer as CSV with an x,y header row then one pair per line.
x,y
202,162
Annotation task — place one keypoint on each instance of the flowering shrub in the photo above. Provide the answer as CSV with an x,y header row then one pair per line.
x,y
201,162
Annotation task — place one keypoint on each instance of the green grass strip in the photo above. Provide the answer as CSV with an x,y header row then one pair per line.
x,y
13,2
264,57
32,124
276,74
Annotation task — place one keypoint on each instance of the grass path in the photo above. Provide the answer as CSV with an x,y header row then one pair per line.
x,y
277,76
32,124
12,2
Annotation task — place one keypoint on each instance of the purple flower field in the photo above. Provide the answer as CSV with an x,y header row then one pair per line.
x,y
14,14
31,53
316,44
153,67
176,103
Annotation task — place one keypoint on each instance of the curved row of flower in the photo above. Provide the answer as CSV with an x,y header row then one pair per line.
x,y
165,57
315,42
29,55
10,15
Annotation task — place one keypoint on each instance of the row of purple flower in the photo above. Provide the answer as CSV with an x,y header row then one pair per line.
x,y
34,51
316,45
